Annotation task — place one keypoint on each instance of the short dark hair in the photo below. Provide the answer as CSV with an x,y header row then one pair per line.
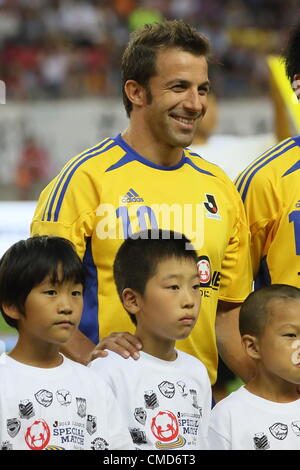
x,y
255,309
139,57
291,53
137,258
26,264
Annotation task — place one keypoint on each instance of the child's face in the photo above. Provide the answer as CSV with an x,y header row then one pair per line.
x,y
171,301
279,345
52,311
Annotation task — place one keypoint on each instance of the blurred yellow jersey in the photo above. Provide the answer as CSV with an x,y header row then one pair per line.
x,y
270,189
109,192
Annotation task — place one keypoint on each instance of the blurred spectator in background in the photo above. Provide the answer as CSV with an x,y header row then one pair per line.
x,y
33,169
241,34
231,152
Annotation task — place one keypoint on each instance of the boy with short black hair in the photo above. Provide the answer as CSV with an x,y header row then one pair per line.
x,y
47,401
265,413
165,396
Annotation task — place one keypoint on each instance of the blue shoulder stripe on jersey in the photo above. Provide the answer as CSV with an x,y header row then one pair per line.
x,y
293,168
123,161
244,194
192,164
89,324
65,186
57,185
47,202
246,172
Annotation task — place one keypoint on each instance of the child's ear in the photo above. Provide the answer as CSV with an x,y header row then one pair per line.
x,y
11,311
131,301
251,346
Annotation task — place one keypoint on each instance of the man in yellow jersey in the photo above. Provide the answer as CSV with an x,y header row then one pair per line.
x,y
270,189
147,178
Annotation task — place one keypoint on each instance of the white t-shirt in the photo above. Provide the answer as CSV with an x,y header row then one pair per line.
x,y
166,404
233,153
65,408
244,421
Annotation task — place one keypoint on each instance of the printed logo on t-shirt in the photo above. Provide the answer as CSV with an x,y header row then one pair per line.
x,y
150,398
37,435
165,428
44,397
81,407
99,444
182,388
261,441
296,427
6,445
91,424
138,436
279,431
64,397
13,426
167,389
140,415
26,409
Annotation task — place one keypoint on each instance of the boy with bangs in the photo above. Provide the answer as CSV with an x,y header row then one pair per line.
x,y
47,401
265,413
165,396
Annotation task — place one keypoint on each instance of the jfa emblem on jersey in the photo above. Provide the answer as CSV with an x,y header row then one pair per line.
x,y
91,424
81,407
13,426
140,415
211,207
261,441
26,409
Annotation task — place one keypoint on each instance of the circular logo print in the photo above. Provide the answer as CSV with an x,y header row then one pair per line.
x,y
164,426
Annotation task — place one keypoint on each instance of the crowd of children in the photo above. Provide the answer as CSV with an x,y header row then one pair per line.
x,y
161,401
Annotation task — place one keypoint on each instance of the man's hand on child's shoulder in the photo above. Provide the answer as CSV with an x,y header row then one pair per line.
x,y
125,344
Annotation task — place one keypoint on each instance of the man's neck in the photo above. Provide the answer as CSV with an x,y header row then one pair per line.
x,y
142,143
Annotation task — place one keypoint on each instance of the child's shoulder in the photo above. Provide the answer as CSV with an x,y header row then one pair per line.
x,y
193,361
111,361
230,402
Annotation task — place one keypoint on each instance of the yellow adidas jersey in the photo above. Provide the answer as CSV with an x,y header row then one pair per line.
x,y
270,189
109,192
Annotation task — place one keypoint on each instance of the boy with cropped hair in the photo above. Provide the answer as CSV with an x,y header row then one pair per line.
x,y
47,401
265,413
165,396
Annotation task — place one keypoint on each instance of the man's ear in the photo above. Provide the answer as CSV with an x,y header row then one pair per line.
x,y
131,300
251,346
136,93
11,311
